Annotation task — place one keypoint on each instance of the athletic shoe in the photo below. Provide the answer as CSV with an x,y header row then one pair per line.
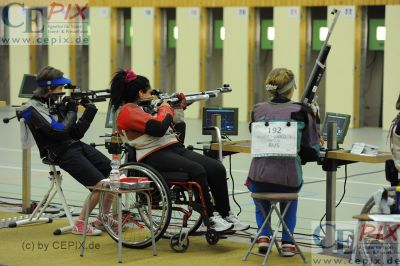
x,y
288,250
90,230
237,225
110,221
263,244
219,224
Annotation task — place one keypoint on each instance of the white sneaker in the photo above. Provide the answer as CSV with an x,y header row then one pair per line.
x,y
237,225
219,224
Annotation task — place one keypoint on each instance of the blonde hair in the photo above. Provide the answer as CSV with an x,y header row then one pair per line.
x,y
280,81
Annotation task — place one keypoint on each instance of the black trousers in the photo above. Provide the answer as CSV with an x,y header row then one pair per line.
x,y
84,163
208,172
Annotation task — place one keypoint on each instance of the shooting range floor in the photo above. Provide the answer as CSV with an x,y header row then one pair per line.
x,y
363,179
36,245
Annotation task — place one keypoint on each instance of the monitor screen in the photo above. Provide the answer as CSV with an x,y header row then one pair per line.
x,y
28,85
225,118
342,122
110,116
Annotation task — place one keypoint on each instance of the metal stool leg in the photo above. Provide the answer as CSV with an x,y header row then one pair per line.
x,y
88,200
57,180
287,229
55,188
258,233
119,228
153,241
273,239
272,231
41,207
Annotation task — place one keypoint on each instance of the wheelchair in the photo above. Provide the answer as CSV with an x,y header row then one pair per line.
x,y
188,211
177,205
370,249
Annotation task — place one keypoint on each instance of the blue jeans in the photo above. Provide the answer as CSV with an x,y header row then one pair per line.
x,y
290,217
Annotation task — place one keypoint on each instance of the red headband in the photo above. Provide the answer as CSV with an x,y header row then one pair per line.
x,y
130,75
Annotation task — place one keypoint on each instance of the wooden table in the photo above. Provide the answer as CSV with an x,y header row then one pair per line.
x,y
244,146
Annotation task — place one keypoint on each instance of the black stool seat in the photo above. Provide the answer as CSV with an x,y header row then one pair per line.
x,y
275,196
175,176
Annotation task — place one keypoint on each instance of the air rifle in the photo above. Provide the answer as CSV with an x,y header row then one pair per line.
x,y
319,68
190,98
78,95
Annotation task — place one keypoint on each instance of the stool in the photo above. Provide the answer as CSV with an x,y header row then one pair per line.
x,y
119,193
273,198
55,188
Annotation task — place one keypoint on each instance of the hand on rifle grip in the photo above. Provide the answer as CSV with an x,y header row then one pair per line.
x,y
71,106
315,107
321,141
164,103
85,102
182,100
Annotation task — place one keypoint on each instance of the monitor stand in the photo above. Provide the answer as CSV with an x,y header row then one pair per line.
x,y
215,137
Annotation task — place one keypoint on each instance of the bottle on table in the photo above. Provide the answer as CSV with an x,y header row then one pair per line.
x,y
114,174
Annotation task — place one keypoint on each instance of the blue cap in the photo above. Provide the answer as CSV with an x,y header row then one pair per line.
x,y
54,82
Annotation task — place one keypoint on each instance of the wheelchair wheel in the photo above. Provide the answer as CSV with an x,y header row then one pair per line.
x,y
185,214
179,243
369,205
135,221
212,237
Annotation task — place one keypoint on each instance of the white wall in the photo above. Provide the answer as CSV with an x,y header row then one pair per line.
x,y
19,56
142,45
286,52
235,59
59,54
188,55
100,51
340,64
391,84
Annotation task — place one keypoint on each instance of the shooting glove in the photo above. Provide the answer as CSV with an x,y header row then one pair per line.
x,y
178,116
85,101
182,100
315,108
90,107
71,106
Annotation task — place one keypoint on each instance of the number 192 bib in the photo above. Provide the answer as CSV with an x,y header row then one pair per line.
x,y
274,139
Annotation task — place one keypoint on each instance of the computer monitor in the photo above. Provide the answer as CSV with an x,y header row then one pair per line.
x,y
225,118
110,116
28,85
342,122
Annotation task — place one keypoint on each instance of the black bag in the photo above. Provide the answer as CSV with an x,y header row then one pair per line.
x,y
392,175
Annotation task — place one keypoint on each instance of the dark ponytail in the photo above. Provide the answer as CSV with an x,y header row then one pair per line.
x,y
125,87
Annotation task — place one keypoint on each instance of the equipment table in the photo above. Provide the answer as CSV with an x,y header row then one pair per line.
x,y
119,193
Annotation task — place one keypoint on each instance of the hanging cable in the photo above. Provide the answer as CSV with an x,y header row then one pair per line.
x,y
233,185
